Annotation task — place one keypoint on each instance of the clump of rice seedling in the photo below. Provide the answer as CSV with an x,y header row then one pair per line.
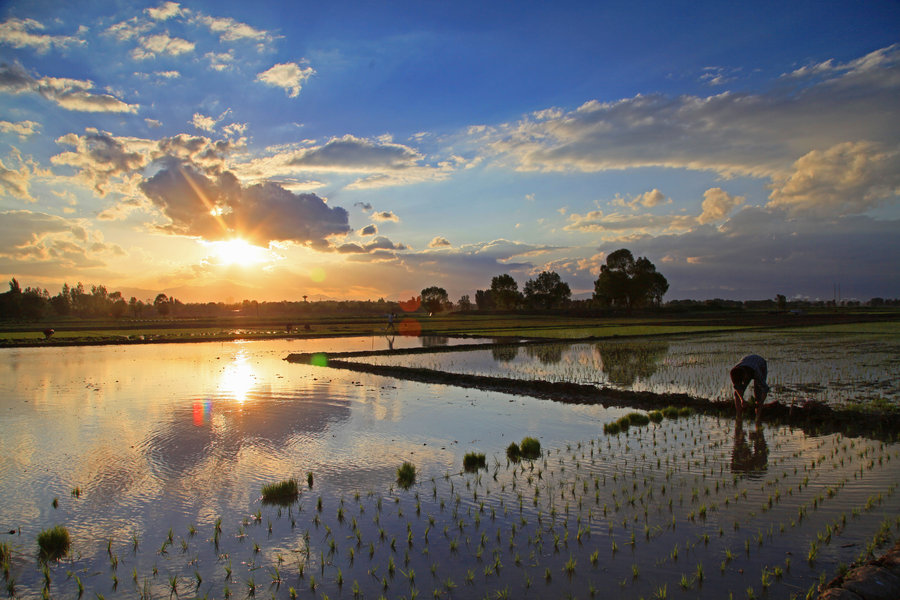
x,y
670,412
612,428
656,416
53,543
406,474
685,411
637,418
473,461
282,493
309,479
530,448
513,453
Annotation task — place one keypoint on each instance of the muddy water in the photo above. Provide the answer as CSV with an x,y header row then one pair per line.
x,y
164,441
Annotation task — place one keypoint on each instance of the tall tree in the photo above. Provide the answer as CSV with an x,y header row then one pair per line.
x,y
434,298
547,290
161,304
629,283
505,291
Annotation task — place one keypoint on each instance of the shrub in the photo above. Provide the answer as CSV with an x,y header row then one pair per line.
x,y
473,461
656,416
53,543
406,475
530,448
513,453
283,492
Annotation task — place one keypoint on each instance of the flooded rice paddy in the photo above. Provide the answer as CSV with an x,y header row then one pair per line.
x,y
815,364
153,458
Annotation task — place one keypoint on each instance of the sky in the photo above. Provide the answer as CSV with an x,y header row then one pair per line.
x,y
221,151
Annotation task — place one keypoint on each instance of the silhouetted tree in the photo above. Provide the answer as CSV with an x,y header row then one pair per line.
x,y
629,283
484,299
464,303
505,292
434,298
161,304
547,290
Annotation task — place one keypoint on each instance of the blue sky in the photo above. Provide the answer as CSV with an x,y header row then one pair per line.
x,y
222,151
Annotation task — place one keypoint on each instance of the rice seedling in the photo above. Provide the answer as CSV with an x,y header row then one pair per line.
x,y
530,448
53,543
406,475
513,453
473,461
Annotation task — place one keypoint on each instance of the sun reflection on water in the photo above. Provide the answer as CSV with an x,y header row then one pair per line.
x,y
238,378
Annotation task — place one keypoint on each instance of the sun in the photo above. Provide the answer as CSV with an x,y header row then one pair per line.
x,y
237,252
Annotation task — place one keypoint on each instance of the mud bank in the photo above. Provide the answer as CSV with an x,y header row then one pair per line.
x,y
812,417
877,579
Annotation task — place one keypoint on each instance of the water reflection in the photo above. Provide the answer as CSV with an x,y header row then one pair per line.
x,y
744,458
431,341
238,378
504,353
547,354
624,364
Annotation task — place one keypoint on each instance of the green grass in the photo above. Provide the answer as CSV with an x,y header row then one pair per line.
x,y
282,493
473,461
530,448
513,453
406,475
53,543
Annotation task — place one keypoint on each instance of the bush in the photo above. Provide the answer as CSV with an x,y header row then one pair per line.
x,y
656,416
513,454
530,448
406,475
473,461
53,543
282,493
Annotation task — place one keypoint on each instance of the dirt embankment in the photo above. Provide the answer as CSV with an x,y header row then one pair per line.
x,y
813,417
878,579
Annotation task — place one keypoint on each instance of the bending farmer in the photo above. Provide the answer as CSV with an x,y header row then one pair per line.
x,y
752,367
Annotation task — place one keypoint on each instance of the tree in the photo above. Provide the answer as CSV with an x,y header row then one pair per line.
x,y
505,292
434,298
161,304
547,290
484,299
464,303
629,283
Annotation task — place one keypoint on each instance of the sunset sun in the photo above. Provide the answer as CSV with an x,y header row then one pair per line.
x,y
237,252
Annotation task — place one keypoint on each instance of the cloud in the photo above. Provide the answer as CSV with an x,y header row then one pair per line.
x,y
71,94
729,133
289,76
162,43
385,215
380,243
230,30
363,205
165,11
220,209
847,178
39,243
439,242
220,61
23,129
126,30
18,33
349,153
203,122
17,174
648,199
100,158
717,203
369,230
597,221
874,61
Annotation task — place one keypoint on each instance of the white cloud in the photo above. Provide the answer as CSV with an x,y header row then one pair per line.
x,y
847,178
71,94
38,243
129,29
717,203
203,122
230,30
162,43
289,76
165,11
18,33
439,242
648,200
220,61
23,129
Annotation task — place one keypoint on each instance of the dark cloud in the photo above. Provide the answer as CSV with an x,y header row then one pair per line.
x,y
386,215
368,230
379,243
220,208
71,94
363,205
350,153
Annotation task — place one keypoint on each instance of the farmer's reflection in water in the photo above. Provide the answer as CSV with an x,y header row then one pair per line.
x,y
751,458
624,364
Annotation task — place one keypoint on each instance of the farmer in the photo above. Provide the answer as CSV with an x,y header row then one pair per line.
x,y
752,367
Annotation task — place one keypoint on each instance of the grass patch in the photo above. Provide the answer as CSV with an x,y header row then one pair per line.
x,y
530,448
53,543
406,475
612,428
473,461
670,412
282,493
655,415
639,419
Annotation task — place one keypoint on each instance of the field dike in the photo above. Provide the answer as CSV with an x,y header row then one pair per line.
x,y
814,418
